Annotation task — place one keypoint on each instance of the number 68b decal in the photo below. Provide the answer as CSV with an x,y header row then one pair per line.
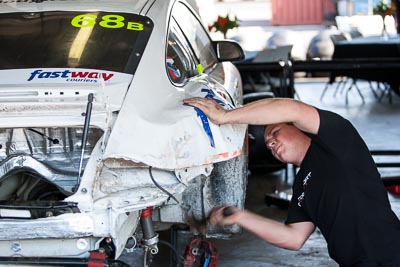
x,y
112,21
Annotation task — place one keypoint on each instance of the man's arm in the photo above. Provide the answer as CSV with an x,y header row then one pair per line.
x,y
262,112
291,236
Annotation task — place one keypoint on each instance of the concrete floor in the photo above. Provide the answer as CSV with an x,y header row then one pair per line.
x,y
379,125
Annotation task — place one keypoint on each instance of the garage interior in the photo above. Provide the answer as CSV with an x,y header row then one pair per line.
x,y
369,100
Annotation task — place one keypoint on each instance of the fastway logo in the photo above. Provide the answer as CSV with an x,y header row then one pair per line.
x,y
71,76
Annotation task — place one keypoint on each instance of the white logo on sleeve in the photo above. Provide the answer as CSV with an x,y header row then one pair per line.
x,y
300,199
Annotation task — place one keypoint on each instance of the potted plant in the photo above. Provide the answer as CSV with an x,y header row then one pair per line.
x,y
384,8
224,24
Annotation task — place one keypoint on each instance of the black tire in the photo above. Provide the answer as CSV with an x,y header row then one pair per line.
x,y
228,183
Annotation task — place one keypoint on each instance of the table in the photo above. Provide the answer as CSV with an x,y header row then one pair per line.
x,y
374,48
372,58
368,47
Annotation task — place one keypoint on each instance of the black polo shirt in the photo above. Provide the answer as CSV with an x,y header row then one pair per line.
x,y
339,189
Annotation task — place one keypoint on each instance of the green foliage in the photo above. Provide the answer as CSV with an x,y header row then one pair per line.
x,y
223,24
384,9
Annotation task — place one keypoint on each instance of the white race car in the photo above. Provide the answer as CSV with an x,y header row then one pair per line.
x,y
96,146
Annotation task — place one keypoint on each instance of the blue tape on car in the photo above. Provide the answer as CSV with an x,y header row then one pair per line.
x,y
206,125
210,94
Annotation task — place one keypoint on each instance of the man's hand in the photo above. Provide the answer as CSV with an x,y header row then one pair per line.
x,y
220,215
212,109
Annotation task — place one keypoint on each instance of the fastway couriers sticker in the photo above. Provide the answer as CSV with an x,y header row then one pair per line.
x,y
71,76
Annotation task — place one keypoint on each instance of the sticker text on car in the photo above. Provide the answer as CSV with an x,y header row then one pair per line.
x,y
112,21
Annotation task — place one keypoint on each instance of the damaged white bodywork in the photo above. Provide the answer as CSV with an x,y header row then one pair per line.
x,y
90,140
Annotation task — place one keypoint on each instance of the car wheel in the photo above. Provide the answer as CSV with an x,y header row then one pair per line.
x,y
227,183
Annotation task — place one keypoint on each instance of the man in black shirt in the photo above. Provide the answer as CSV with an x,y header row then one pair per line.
x,y
337,189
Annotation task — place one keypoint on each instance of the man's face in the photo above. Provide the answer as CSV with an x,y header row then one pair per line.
x,y
281,141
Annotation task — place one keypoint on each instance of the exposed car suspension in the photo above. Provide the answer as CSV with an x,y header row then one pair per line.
x,y
150,237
